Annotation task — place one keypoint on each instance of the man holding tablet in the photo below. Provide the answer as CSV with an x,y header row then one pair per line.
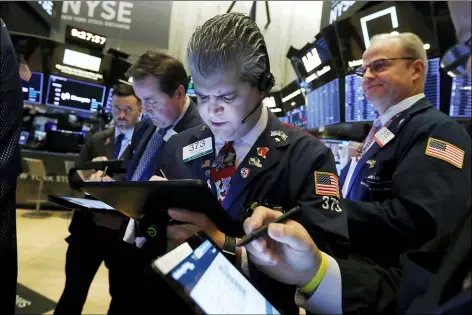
x,y
245,154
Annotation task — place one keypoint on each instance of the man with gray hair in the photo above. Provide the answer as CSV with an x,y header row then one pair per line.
x,y
249,157
411,176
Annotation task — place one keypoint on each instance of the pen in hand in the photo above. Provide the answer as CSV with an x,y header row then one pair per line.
x,y
264,230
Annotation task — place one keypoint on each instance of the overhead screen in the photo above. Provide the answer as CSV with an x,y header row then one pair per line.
x,y
33,89
323,106
74,94
461,98
109,103
298,117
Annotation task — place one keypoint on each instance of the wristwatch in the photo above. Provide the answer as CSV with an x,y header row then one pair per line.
x,y
229,249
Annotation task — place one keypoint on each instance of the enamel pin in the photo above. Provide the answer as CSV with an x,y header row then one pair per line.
x,y
371,163
209,184
245,172
204,127
255,162
206,163
280,134
262,152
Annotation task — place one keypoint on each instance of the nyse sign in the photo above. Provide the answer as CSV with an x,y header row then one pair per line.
x,y
116,14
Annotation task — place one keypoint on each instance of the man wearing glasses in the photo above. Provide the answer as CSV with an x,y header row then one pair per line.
x,y
410,178
95,235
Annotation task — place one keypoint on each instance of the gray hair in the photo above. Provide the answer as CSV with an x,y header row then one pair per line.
x,y
226,41
412,46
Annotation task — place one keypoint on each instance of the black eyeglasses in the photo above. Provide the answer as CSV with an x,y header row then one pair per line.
x,y
379,65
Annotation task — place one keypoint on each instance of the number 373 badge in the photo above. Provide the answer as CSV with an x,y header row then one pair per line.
x,y
197,149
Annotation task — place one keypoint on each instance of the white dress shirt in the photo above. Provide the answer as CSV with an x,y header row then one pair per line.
x,y
328,296
126,140
244,144
384,118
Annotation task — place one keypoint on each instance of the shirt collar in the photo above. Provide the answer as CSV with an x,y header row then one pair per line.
x,y
400,107
128,133
251,137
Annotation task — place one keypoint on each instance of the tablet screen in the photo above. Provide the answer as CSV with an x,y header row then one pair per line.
x,y
89,203
212,282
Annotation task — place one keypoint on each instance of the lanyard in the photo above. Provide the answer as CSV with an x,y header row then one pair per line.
x,y
360,152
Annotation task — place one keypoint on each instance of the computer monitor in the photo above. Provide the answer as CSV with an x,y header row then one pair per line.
x,y
24,135
357,108
323,106
33,89
335,146
297,117
190,90
432,85
461,98
109,103
74,94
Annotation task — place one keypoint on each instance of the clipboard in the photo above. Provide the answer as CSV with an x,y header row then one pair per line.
x,y
153,198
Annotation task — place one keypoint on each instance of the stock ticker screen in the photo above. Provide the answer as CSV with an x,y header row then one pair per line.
x,y
33,89
109,103
461,98
74,94
297,117
432,88
323,106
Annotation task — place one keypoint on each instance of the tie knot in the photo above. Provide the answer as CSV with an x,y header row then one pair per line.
x,y
120,137
162,131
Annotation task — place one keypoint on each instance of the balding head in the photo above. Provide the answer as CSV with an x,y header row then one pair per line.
x,y
396,69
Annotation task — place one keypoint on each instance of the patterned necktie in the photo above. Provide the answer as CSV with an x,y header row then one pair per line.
x,y
146,163
370,138
117,148
223,169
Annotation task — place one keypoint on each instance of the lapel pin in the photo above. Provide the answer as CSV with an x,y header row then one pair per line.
x,y
107,141
371,163
207,173
245,172
401,121
283,135
277,140
204,127
262,152
209,184
255,162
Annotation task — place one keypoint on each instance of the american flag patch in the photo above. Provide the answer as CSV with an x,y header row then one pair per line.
x,y
445,151
326,184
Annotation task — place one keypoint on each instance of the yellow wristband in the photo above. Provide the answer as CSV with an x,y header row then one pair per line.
x,y
315,282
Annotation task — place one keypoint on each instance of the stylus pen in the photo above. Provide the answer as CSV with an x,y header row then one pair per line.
x,y
162,173
104,173
264,230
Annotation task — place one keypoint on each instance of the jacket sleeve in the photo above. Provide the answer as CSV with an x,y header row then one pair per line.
x,y
319,197
426,193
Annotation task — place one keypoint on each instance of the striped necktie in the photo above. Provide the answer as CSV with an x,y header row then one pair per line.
x,y
223,169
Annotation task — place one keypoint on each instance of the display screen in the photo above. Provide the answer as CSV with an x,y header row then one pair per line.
x,y
190,90
89,203
298,117
356,105
335,146
432,88
323,106
461,98
33,89
212,282
109,104
284,119
74,94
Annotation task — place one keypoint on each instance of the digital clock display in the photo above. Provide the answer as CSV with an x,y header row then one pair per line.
x,y
86,36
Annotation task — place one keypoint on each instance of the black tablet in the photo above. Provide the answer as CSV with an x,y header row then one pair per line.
x,y
208,282
80,203
153,198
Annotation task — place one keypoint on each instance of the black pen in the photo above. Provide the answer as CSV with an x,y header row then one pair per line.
x,y
264,230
